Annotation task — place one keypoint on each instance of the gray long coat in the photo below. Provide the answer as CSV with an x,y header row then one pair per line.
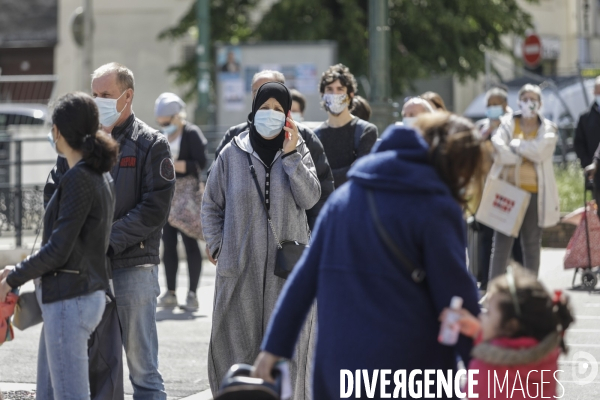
x,y
238,235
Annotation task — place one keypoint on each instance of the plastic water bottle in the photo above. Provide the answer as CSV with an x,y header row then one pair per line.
x,y
450,329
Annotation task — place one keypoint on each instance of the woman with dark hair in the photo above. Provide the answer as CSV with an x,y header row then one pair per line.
x,y
272,155
71,269
373,313
361,108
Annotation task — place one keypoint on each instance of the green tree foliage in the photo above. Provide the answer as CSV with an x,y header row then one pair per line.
x,y
229,24
343,21
428,37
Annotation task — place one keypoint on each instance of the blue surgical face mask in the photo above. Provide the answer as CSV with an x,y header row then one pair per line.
x,y
53,143
107,110
169,129
297,117
494,112
269,123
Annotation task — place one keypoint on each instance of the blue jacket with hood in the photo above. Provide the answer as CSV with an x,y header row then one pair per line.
x,y
371,314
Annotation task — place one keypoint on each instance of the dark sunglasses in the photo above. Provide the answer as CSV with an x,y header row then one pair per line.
x,y
164,124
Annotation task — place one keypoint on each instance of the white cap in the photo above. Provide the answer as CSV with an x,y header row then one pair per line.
x,y
167,105
456,303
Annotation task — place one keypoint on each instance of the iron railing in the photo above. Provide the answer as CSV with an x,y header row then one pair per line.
x,y
21,204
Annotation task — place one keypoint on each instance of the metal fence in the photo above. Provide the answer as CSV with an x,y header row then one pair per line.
x,y
21,196
21,202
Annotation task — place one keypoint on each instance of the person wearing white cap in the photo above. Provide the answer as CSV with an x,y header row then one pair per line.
x,y
188,148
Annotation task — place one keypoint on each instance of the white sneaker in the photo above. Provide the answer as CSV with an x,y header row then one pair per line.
x,y
191,302
167,300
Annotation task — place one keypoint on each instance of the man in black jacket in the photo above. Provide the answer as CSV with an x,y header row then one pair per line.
x,y
144,181
587,134
312,142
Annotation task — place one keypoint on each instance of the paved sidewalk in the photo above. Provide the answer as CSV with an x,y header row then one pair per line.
x,y
183,345
184,337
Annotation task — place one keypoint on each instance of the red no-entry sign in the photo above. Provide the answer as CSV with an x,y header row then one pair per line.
x,y
532,50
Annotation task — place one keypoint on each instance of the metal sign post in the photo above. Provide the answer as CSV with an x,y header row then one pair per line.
x,y
203,62
379,64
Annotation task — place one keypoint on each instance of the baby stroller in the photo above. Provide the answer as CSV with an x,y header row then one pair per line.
x,y
237,384
583,250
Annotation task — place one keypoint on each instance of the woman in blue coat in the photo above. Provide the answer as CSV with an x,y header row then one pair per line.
x,y
371,314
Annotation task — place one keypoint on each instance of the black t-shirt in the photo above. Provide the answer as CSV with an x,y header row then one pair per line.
x,y
338,144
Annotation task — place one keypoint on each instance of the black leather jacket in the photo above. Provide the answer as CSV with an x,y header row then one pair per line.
x,y
317,153
144,180
72,261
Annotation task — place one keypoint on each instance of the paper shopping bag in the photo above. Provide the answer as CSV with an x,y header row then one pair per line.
x,y
503,207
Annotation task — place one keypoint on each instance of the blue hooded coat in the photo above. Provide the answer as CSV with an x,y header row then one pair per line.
x,y
371,314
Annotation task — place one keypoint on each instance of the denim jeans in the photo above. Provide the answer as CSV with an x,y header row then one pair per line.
x,y
531,243
136,290
63,353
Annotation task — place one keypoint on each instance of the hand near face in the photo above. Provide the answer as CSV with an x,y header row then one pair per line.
x,y
291,135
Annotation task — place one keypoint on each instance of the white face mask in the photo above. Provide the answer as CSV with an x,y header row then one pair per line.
x,y
529,108
269,123
53,144
107,110
336,103
296,116
409,122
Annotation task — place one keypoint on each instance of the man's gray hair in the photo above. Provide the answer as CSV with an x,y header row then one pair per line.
x,y
268,73
124,75
597,81
496,92
529,88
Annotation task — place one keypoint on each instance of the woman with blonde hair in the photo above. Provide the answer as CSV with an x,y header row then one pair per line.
x,y
524,144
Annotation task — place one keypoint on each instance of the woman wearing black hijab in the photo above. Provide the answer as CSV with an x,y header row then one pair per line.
x,y
238,235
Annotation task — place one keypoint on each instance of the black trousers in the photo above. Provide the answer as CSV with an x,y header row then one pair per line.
x,y
171,260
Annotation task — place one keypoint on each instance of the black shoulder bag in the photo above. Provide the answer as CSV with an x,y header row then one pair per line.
x,y
288,251
417,274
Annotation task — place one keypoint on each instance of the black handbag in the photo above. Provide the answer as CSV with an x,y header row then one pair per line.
x,y
417,274
288,251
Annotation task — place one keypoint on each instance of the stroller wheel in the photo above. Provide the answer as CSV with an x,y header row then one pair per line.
x,y
589,280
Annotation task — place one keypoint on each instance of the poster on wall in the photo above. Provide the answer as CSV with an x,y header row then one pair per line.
x,y
307,80
302,77
232,91
229,59
229,67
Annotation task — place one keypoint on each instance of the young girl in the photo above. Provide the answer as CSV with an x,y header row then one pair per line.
x,y
519,338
